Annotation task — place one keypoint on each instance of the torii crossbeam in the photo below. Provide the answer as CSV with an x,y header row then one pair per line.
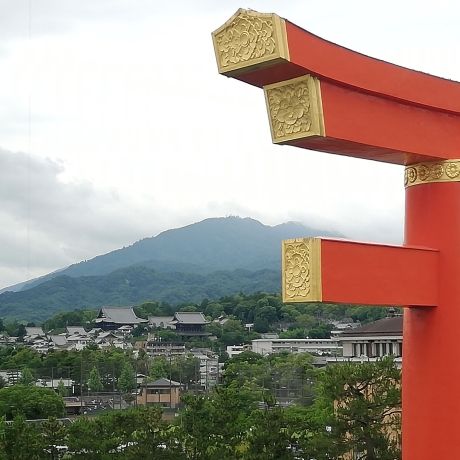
x,y
324,97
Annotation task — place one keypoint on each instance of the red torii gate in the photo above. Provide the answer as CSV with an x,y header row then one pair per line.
x,y
324,97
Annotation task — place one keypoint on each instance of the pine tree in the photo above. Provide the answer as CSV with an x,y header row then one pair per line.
x,y
94,380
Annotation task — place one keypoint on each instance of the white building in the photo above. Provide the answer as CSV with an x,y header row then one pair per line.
x,y
210,368
329,347
233,350
372,341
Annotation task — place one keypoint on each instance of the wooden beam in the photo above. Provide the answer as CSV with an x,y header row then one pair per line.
x,y
322,96
339,271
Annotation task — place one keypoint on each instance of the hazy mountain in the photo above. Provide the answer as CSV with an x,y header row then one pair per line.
x,y
208,259
226,243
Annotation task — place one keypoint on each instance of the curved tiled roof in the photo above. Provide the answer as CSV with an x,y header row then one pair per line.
x,y
120,315
384,326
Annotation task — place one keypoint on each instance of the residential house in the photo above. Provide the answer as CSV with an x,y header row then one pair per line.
x,y
54,384
157,347
210,368
11,376
161,392
78,342
34,331
109,339
76,330
58,342
233,350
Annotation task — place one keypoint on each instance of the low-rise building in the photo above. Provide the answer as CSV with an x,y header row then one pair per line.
x,y
161,392
156,347
328,347
233,350
372,341
76,330
210,368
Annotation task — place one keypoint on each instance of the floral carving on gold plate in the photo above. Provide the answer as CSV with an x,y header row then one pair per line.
x,y
290,109
248,37
301,272
295,109
297,269
437,171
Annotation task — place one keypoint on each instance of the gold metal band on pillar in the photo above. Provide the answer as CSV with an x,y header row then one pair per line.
x,y
436,171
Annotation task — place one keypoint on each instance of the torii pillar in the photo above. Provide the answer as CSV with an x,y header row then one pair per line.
x,y
321,96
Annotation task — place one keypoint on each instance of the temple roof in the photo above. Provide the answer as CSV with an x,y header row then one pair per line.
x,y
384,326
59,340
189,317
164,383
76,330
34,331
124,315
160,319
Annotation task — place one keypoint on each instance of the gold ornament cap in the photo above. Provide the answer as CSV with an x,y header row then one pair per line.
x,y
295,109
250,39
301,270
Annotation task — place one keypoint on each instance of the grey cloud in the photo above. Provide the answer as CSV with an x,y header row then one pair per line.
x,y
47,224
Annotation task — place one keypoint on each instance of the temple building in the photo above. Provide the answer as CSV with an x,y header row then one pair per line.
x,y
190,323
110,318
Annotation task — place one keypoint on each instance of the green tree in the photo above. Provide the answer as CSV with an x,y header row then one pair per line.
x,y
214,426
86,439
184,368
30,401
61,389
362,405
126,381
54,434
269,437
94,380
158,368
23,441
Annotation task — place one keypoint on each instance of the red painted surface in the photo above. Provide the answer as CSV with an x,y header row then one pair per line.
x,y
372,109
388,125
431,369
373,274
331,62
334,62
376,110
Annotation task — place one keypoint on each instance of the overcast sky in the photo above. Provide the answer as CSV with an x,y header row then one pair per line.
x,y
115,125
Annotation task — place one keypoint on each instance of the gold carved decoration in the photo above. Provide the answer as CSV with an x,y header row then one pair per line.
x,y
250,38
301,270
295,109
436,171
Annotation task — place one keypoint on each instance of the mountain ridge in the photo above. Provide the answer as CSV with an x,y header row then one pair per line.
x,y
171,249
207,259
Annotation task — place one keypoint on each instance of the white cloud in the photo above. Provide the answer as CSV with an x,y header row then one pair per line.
x,y
128,130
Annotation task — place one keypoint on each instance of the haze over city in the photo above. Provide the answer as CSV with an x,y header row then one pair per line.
x,y
115,125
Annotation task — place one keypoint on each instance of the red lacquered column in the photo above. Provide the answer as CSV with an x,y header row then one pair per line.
x,y
431,354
